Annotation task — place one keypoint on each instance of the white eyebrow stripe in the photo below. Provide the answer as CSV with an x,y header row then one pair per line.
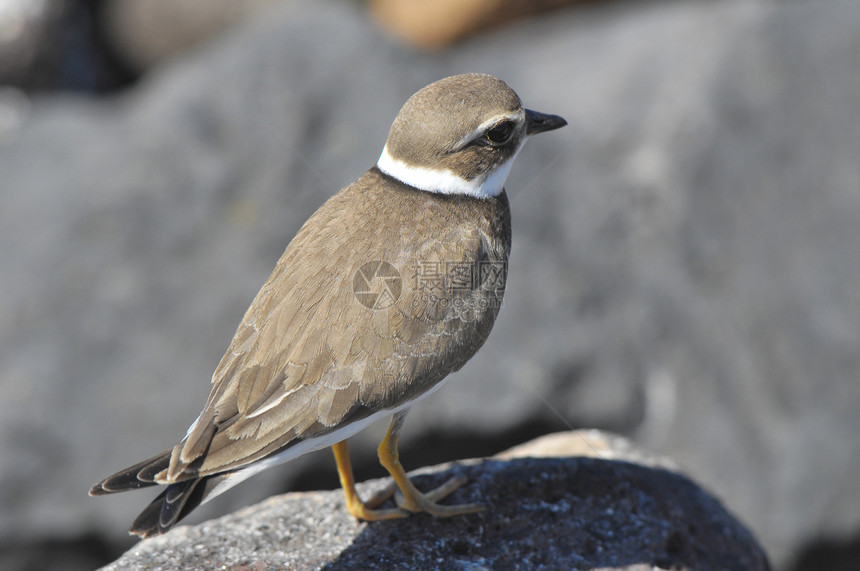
x,y
517,117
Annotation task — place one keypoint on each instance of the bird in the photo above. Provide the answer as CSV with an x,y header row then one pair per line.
x,y
391,285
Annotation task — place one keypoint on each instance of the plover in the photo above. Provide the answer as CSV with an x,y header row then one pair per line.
x,y
391,285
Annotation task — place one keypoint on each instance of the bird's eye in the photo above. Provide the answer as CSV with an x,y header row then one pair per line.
x,y
500,133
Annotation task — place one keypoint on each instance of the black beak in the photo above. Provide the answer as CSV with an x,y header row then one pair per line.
x,y
537,122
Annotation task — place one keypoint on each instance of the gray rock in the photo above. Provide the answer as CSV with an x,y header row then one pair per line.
x,y
147,32
542,513
683,270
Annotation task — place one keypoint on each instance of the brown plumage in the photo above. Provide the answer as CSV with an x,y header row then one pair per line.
x,y
309,348
312,358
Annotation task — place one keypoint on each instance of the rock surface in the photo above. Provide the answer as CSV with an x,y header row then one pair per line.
x,y
684,265
542,512
147,32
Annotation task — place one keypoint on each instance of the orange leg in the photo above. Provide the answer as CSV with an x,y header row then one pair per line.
x,y
347,481
412,500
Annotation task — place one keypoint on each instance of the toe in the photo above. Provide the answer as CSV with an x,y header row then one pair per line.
x,y
418,502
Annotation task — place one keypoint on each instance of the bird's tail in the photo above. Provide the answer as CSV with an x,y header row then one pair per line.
x,y
141,475
174,503
170,506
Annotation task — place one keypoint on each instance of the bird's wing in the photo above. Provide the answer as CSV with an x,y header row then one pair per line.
x,y
308,357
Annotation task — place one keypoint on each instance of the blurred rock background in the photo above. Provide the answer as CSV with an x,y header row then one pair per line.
x,y
685,270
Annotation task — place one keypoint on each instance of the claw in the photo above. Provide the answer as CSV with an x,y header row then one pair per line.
x,y
418,502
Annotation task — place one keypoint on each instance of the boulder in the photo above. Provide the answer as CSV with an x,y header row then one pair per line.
x,y
146,33
545,509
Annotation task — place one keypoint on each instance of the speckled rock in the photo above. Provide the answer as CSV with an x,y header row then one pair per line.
x,y
548,512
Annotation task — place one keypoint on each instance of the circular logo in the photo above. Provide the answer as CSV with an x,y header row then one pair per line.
x,y
377,285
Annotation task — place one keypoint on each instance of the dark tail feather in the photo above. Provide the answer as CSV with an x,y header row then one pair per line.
x,y
168,508
173,504
141,475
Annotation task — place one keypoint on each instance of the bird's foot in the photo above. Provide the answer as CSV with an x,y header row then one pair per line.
x,y
365,510
411,500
